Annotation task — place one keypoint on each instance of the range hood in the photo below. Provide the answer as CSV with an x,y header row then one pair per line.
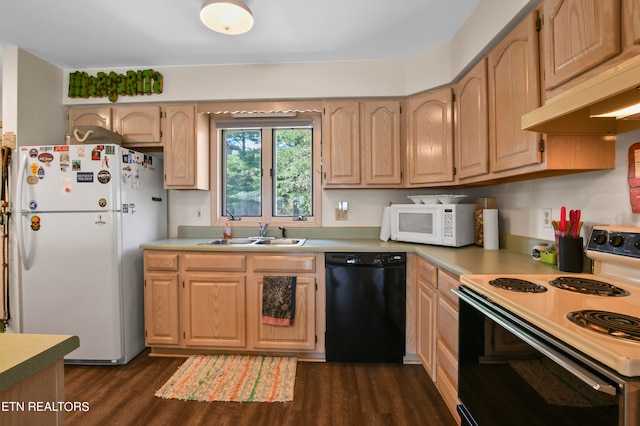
x,y
573,111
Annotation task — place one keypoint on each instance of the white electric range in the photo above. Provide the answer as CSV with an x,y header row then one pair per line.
x,y
587,323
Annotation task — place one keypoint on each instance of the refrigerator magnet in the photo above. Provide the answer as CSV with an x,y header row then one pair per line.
x,y
35,223
104,176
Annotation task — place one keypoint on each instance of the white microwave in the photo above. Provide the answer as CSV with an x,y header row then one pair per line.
x,y
438,224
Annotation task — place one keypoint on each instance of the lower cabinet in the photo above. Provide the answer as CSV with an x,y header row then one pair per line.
x,y
426,314
200,301
213,310
437,329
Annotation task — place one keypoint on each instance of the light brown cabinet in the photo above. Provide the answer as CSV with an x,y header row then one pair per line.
x,y
186,148
341,143
471,124
90,116
301,336
382,147
514,89
214,310
578,35
138,125
361,144
174,129
447,341
213,301
161,298
427,277
429,133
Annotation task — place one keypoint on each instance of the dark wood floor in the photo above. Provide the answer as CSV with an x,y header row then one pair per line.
x,y
325,394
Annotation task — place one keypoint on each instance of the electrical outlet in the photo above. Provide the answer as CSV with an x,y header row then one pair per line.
x,y
546,218
199,215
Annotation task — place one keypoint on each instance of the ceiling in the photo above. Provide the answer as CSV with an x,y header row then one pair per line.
x,y
87,34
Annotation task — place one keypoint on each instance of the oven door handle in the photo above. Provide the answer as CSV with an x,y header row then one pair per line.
x,y
587,377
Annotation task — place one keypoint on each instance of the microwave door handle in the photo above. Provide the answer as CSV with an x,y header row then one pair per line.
x,y
588,378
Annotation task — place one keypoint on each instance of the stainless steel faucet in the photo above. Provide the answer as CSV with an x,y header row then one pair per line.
x,y
263,229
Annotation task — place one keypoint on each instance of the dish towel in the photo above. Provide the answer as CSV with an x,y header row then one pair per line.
x,y
278,300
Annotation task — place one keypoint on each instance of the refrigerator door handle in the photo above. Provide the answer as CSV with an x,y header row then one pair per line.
x,y
21,243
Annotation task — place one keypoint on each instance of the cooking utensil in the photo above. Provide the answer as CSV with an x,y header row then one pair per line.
x,y
563,219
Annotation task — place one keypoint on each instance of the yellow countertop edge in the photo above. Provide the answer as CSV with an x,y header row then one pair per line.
x,y
22,355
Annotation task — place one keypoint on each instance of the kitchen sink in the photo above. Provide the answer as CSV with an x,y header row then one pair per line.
x,y
293,242
282,242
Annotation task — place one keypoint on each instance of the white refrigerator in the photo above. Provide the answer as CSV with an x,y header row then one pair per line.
x,y
82,212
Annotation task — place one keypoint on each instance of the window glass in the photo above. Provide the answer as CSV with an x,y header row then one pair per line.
x,y
292,172
267,169
242,161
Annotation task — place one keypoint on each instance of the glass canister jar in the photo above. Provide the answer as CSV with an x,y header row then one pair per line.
x,y
481,204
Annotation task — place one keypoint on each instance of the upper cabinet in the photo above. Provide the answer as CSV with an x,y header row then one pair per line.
x,y
90,116
429,154
630,23
139,125
174,129
361,144
514,89
578,35
472,123
186,148
381,140
341,143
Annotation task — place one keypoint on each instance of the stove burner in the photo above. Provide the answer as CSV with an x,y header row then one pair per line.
x,y
617,325
517,284
588,286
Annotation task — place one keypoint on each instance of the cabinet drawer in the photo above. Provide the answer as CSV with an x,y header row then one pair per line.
x,y
446,283
214,262
284,263
427,273
161,261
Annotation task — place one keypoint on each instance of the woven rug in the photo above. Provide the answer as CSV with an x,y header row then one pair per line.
x,y
238,378
558,387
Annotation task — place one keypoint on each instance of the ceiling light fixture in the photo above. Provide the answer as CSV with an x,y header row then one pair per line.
x,y
226,16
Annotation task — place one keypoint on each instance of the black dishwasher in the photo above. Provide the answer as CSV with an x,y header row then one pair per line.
x,y
366,306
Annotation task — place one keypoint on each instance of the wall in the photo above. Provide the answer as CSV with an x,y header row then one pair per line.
x,y
32,110
430,69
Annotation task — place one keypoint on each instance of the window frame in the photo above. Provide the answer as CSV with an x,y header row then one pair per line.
x,y
218,123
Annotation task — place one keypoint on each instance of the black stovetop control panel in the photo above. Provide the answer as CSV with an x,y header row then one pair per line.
x,y
618,242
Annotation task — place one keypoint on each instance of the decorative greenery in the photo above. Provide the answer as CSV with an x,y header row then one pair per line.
x,y
112,85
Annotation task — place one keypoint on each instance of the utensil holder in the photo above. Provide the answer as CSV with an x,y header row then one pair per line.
x,y
570,254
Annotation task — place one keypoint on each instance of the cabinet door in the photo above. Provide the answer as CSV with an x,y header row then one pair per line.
x,y
578,35
472,123
341,143
514,90
631,23
89,116
180,146
430,138
161,309
299,336
138,125
214,310
381,138
427,305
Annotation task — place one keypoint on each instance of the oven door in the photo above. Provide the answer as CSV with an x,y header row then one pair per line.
x,y
510,372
